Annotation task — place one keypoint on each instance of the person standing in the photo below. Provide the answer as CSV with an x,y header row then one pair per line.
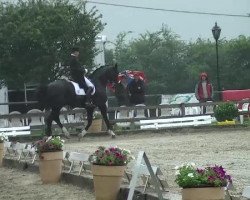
x,y
77,73
204,90
137,90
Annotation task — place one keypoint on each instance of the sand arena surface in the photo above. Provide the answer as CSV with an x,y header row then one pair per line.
x,y
228,148
231,149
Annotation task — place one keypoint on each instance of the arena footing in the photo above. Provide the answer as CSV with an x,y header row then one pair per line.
x,y
86,181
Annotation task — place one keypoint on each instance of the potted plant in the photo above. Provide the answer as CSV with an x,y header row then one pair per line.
x,y
226,113
2,139
108,166
96,125
202,183
50,154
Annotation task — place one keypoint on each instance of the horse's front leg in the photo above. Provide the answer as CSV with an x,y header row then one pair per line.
x,y
90,111
103,110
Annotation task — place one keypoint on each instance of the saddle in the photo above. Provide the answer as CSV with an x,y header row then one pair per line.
x,y
80,91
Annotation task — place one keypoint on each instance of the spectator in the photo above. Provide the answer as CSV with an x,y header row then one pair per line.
x,y
204,90
137,90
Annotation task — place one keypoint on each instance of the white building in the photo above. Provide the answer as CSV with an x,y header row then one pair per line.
x,y
99,59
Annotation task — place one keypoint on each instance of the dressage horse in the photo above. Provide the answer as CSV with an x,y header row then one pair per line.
x,y
59,93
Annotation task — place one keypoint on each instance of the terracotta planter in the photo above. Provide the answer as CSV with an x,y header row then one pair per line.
x,y
1,153
96,126
107,181
209,193
50,166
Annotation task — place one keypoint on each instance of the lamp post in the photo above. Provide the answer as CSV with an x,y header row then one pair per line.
x,y
216,33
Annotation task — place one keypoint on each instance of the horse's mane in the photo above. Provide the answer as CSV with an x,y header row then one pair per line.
x,y
97,71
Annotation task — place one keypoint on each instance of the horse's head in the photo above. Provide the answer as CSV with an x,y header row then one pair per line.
x,y
112,74
105,74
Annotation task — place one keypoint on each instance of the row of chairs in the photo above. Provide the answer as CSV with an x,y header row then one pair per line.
x,y
39,120
141,112
20,151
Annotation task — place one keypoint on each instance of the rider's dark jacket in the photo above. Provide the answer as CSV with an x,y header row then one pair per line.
x,y
77,72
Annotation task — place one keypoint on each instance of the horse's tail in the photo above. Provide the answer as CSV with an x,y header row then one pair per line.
x,y
41,96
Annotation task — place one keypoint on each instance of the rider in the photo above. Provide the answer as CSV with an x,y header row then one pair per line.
x,y
77,73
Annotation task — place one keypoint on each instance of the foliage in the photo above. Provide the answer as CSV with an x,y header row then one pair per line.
x,y
35,35
3,138
112,156
225,111
173,66
49,144
97,115
189,176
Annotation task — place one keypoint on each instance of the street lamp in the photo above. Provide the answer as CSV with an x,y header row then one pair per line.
x,y
216,33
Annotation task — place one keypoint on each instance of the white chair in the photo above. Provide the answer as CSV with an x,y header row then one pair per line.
x,y
16,121
78,158
164,112
139,112
78,117
246,192
123,114
29,153
175,112
35,120
209,109
4,123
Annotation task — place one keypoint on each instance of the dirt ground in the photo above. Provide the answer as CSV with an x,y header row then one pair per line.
x,y
231,149
21,185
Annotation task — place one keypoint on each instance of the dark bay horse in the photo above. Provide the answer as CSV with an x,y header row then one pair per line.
x,y
60,93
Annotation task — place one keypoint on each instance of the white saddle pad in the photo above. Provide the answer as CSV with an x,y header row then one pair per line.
x,y
80,91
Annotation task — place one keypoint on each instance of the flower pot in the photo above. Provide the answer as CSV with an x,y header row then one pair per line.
x,y
96,126
107,181
208,193
1,153
50,166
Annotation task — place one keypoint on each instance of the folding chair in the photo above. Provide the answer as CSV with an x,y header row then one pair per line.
x,y
80,158
9,150
66,162
146,178
246,192
20,150
29,153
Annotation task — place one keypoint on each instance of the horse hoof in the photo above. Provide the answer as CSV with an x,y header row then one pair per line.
x,y
82,134
67,136
110,132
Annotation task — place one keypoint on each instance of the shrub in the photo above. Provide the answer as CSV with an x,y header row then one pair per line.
x,y
225,111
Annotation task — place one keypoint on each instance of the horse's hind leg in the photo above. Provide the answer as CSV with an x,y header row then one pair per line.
x,y
55,114
103,109
90,111
48,120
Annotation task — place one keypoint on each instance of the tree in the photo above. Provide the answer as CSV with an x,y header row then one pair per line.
x,y
36,35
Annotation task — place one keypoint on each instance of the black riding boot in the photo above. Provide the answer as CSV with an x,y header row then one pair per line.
x,y
88,97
